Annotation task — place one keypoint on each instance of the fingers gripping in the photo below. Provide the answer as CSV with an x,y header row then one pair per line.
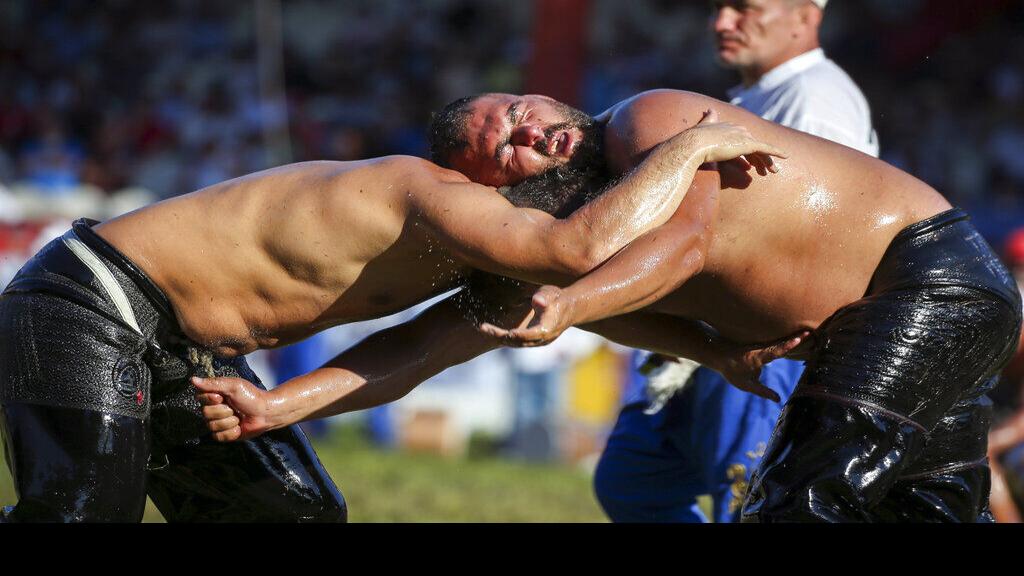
x,y
537,328
228,435
223,424
214,385
217,412
221,418
209,398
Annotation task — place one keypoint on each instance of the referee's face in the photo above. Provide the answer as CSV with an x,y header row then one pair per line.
x,y
753,33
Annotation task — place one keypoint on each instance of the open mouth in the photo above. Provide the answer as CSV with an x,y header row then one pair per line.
x,y
561,144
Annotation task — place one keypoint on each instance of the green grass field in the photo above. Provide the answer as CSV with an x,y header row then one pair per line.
x,y
396,487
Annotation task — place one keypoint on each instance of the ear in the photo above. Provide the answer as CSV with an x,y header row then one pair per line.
x,y
810,16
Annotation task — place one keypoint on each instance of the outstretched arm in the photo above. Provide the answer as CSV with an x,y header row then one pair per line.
x,y
488,233
673,336
380,369
389,364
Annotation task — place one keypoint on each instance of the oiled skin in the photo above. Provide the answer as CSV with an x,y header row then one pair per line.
x,y
273,257
270,258
789,249
759,260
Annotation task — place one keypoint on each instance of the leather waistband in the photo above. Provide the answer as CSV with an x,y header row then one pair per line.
x,y
83,229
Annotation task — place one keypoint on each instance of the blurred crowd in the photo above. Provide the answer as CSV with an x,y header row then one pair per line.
x,y
174,96
108,105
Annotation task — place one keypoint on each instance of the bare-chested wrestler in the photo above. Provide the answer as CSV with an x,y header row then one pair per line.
x,y
101,330
913,314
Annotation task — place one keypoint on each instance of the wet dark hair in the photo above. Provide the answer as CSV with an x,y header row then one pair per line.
x,y
447,132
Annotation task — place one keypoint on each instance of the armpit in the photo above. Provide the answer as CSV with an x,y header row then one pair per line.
x,y
491,298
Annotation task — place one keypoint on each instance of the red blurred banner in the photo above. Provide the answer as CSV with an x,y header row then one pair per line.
x,y
559,50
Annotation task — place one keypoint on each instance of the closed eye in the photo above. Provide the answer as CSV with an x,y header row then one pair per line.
x,y
512,115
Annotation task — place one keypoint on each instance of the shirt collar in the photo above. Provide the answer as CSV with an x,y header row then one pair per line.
x,y
782,72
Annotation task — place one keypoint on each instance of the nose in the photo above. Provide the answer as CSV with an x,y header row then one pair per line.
x,y
725,19
527,135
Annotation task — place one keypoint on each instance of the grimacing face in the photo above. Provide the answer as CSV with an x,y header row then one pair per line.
x,y
750,33
512,138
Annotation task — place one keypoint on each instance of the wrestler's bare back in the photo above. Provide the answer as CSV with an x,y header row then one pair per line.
x,y
273,257
789,249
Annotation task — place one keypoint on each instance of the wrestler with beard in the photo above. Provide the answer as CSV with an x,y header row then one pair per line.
x,y
100,331
564,188
913,312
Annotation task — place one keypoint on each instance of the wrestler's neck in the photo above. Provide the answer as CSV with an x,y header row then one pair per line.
x,y
752,74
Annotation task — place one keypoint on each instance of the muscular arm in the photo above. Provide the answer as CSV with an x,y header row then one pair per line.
x,y
655,264
663,334
488,233
649,268
389,364
674,336
381,368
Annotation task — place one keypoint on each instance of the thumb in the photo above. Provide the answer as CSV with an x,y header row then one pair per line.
x,y
543,297
217,385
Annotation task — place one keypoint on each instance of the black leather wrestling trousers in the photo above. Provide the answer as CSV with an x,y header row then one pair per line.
x,y
97,412
890,420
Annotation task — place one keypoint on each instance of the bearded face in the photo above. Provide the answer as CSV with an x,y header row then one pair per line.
x,y
562,189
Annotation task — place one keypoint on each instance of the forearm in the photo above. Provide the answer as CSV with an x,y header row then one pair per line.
x,y
640,202
661,333
380,369
652,266
634,279
672,336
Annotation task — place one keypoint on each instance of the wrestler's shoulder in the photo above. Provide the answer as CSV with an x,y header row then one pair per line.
x,y
399,166
658,113
647,119
664,101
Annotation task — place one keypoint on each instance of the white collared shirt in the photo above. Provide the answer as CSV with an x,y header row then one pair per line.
x,y
812,94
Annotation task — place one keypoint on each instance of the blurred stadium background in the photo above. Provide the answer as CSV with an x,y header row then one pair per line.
x,y
108,105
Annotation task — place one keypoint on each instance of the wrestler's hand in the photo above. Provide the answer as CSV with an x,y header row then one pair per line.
x,y
551,315
234,409
722,142
741,365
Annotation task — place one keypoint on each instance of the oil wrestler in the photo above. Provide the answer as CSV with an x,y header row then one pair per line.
x,y
912,313
692,434
101,330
